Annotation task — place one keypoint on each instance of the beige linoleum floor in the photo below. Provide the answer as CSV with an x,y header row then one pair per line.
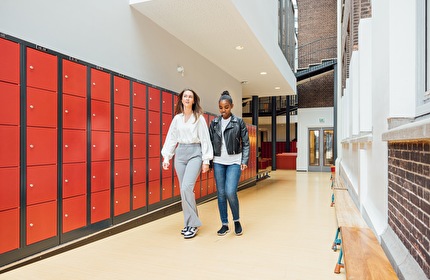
x,y
288,226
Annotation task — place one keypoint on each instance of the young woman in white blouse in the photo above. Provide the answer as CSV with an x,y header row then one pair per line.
x,y
188,139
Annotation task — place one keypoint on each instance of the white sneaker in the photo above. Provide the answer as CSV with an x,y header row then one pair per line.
x,y
191,232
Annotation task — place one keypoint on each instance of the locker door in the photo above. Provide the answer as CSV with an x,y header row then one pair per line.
x,y
154,169
74,179
9,57
74,112
154,192
9,230
121,118
176,188
74,78
41,221
167,119
154,149
9,190
41,70
121,91
100,206
139,145
122,145
139,95
154,99
100,85
204,188
167,103
122,173
41,146
41,184
197,186
100,145
139,170
166,188
41,108
9,108
100,176
122,200
153,122
9,145
139,120
100,115
139,195
74,146
74,213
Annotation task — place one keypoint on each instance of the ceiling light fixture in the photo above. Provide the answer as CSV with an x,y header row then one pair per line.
x,y
277,87
239,47
263,73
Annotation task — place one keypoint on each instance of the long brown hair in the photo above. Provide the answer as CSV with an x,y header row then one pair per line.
x,y
197,109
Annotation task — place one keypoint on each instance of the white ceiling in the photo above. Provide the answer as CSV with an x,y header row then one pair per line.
x,y
213,28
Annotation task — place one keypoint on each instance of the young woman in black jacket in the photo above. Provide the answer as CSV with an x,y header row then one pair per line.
x,y
230,142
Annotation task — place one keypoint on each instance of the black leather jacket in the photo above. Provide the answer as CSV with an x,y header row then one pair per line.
x,y
235,136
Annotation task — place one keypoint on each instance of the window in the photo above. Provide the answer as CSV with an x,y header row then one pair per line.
x,y
423,23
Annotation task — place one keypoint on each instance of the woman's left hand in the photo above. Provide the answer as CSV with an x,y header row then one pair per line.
x,y
205,168
243,167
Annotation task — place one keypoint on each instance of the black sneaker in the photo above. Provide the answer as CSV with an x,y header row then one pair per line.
x,y
223,230
238,228
184,230
191,232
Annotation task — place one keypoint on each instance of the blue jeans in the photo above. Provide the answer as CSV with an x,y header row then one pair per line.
x,y
227,178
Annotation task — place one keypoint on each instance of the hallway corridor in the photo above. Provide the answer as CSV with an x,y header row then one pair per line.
x,y
288,226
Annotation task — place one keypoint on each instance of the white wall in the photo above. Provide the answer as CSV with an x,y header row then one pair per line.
x,y
111,34
310,118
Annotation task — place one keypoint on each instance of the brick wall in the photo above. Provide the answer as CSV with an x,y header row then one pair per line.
x,y
409,197
317,91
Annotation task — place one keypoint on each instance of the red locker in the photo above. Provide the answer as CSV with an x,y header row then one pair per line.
x,y
9,230
74,213
74,112
41,146
9,145
74,78
167,103
211,188
9,57
122,145
197,192
100,206
121,118
153,99
100,176
41,184
154,122
74,179
139,121
167,173
139,95
100,115
139,170
41,221
154,192
121,91
122,200
176,188
139,195
204,188
41,108
167,188
9,110
41,70
154,149
139,145
9,190
74,146
166,120
154,169
121,173
100,145
100,85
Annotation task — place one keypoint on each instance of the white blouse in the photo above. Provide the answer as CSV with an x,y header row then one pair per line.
x,y
188,132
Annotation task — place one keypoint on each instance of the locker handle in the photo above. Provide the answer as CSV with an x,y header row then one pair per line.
x,y
66,215
31,146
134,94
31,185
66,181
31,224
31,67
116,90
66,111
94,177
31,106
94,208
94,83
134,120
116,201
66,146
134,197
65,76
94,146
135,171
116,174
94,115
135,146
116,118
116,146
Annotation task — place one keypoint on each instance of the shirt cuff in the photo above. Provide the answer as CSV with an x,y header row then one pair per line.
x,y
206,161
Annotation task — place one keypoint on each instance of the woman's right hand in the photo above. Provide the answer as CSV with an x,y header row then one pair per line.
x,y
166,165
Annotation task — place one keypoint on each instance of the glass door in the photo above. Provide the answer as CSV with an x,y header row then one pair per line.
x,y
320,149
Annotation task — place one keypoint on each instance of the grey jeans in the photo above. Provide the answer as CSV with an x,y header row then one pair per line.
x,y
188,164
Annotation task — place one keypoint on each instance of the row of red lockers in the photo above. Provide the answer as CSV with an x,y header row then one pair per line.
x,y
138,179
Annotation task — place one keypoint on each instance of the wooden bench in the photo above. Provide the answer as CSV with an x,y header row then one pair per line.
x,y
363,255
336,184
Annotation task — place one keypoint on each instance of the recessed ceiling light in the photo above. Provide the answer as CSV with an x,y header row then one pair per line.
x,y
263,73
277,87
239,48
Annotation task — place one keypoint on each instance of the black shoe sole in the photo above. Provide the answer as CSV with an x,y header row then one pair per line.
x,y
224,233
